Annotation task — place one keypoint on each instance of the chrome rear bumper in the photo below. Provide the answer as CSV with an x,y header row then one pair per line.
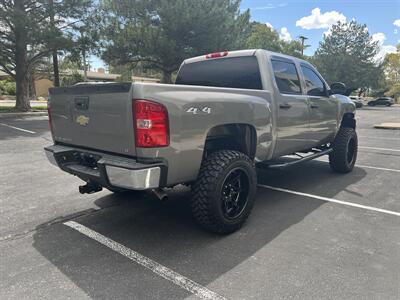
x,y
107,170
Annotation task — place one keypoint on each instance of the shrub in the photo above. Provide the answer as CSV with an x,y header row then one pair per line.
x,y
7,87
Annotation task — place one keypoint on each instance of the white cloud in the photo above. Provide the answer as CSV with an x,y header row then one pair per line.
x,y
269,6
269,25
328,32
379,37
396,22
317,20
285,35
383,49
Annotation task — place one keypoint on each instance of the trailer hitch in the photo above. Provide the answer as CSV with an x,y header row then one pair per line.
x,y
90,188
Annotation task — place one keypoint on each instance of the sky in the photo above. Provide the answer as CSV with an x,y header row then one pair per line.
x,y
312,18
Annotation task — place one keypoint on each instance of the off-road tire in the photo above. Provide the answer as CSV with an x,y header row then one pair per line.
x,y
344,154
207,203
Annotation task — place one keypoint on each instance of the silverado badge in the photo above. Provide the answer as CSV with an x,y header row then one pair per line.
x,y
82,120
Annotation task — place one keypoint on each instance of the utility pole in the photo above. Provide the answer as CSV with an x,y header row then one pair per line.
x,y
303,38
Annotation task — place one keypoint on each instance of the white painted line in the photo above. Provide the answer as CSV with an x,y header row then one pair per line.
x,y
368,167
389,212
384,149
17,128
180,280
379,138
378,168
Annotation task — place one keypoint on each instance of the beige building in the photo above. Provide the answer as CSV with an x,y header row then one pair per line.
x,y
42,85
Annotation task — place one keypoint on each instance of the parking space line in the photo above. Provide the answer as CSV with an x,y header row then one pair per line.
x,y
389,212
379,138
178,279
378,168
368,167
365,166
384,149
17,128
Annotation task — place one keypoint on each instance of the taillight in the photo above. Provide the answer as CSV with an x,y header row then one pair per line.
x,y
217,54
151,124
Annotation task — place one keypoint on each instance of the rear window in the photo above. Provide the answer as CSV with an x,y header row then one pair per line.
x,y
233,72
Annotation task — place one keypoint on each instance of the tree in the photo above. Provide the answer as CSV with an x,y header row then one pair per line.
x,y
161,34
31,30
265,37
348,54
391,68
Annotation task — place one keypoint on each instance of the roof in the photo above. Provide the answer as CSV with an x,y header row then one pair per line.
x,y
247,52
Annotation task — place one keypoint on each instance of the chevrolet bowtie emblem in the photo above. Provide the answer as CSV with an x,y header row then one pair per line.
x,y
82,120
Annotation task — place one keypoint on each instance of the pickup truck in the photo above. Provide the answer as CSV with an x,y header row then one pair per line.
x,y
226,113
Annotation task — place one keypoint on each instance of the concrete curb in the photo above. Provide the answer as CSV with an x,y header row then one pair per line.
x,y
388,126
23,114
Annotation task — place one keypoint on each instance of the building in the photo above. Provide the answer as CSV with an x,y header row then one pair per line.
x,y
42,85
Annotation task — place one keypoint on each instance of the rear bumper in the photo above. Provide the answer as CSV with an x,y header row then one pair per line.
x,y
107,170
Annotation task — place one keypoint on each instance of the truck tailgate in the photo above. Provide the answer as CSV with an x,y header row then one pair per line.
x,y
96,116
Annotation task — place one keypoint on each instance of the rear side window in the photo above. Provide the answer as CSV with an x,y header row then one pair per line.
x,y
233,72
315,86
286,77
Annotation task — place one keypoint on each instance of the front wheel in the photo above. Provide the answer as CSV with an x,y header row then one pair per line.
x,y
345,147
224,192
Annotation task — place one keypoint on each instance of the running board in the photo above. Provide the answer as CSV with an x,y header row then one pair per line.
x,y
306,158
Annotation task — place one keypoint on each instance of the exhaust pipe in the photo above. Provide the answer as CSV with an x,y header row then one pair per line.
x,y
90,188
160,194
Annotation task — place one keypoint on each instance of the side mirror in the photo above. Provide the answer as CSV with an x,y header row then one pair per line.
x,y
338,88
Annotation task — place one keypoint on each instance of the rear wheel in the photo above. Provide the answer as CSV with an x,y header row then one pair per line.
x,y
224,192
345,147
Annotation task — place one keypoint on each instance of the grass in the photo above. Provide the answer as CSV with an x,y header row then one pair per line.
x,y
11,109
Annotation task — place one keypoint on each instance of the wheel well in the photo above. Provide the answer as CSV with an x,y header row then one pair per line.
x,y
240,137
348,120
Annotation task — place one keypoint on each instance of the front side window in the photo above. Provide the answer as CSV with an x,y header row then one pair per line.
x,y
314,84
286,77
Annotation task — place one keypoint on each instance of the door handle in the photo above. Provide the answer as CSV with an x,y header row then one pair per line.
x,y
285,106
314,106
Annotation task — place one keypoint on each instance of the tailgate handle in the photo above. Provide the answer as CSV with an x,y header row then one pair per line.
x,y
81,103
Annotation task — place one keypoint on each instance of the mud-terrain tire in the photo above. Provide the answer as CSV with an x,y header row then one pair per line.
x,y
345,147
224,192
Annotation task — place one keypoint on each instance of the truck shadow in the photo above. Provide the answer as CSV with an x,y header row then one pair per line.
x,y
166,233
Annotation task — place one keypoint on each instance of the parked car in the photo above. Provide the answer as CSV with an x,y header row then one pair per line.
x,y
226,112
386,101
357,101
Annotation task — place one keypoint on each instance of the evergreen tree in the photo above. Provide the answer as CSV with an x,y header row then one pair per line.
x,y
161,34
265,37
348,54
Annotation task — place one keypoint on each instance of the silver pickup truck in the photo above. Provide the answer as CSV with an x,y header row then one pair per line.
x,y
225,113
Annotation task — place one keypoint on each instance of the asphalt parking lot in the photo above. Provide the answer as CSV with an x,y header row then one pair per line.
x,y
315,235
